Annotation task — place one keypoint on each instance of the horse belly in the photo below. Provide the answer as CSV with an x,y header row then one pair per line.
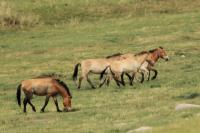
x,y
40,91
97,69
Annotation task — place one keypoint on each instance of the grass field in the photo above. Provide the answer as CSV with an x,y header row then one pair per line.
x,y
51,36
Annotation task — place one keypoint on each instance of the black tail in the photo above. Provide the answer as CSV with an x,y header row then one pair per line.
x,y
76,71
18,94
103,72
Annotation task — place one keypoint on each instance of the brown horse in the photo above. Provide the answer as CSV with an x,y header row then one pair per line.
x,y
154,56
44,86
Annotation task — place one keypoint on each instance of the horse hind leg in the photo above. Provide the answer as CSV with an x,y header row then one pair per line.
x,y
25,103
90,82
56,103
79,84
45,104
33,107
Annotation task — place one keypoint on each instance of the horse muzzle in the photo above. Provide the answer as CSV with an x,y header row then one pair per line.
x,y
166,58
67,109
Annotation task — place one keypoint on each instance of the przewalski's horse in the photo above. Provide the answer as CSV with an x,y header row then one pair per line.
x,y
44,86
95,66
147,66
131,64
154,56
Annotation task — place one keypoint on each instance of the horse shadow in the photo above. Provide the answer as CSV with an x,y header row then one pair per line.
x,y
188,96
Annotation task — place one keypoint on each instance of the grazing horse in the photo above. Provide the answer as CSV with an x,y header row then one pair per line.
x,y
44,86
131,64
95,66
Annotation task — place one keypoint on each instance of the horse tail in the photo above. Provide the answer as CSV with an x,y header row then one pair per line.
x,y
76,71
103,72
18,94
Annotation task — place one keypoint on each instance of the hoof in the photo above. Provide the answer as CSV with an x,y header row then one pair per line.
x,y
42,111
34,110
59,110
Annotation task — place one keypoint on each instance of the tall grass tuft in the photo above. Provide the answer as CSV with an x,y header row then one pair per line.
x,y
10,18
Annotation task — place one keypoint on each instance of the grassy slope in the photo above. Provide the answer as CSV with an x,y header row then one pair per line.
x,y
56,48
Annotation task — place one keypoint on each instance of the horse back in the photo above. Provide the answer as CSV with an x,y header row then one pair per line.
x,y
40,86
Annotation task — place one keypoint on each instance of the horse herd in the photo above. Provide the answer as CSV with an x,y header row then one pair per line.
x,y
111,67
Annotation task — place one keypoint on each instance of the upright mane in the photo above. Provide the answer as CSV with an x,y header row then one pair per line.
x,y
114,55
65,86
153,50
49,75
141,53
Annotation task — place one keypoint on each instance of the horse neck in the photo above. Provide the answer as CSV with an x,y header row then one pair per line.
x,y
142,58
154,56
63,92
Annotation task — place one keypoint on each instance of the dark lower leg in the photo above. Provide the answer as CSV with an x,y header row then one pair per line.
x,y
108,82
45,104
102,83
33,107
155,75
122,79
79,84
116,81
149,75
130,78
56,103
89,81
25,103
142,80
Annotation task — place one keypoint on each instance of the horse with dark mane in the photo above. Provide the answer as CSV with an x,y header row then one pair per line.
x,y
131,64
154,56
44,86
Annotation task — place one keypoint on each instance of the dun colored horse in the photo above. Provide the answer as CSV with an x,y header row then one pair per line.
x,y
147,66
131,64
95,66
44,86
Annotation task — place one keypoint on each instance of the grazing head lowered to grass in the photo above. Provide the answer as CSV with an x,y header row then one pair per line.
x,y
46,86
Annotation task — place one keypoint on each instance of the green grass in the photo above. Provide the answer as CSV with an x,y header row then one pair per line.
x,y
58,42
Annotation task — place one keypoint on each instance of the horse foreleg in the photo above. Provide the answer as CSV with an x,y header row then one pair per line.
x,y
45,104
116,78
122,79
108,81
142,80
90,82
155,75
102,83
56,103
130,78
